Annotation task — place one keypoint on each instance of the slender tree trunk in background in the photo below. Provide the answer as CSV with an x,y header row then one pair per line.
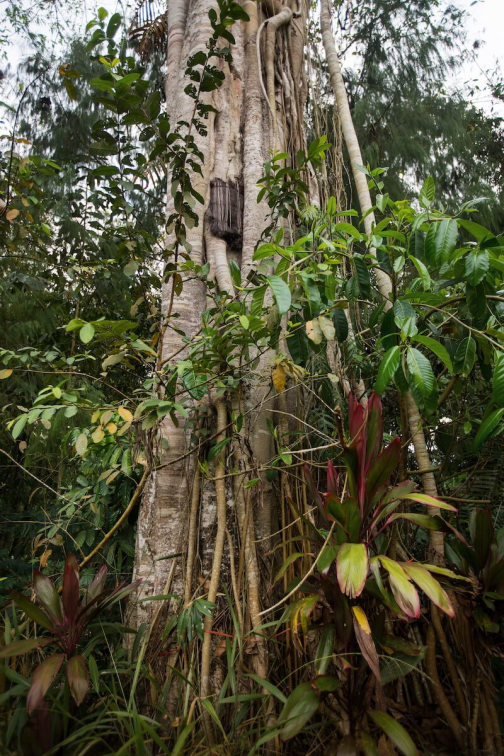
x,y
181,512
382,279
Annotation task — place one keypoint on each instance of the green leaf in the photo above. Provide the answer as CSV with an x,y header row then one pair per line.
x,y
429,586
487,427
438,349
301,705
429,501
427,192
234,269
86,333
340,325
78,678
422,272
498,380
395,732
388,366
352,565
219,446
48,596
23,646
19,426
404,592
477,263
281,292
113,25
268,686
81,444
465,356
31,610
130,268
420,371
363,277
479,232
42,680
440,242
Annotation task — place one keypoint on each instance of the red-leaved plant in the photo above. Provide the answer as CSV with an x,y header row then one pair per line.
x,y
359,511
66,617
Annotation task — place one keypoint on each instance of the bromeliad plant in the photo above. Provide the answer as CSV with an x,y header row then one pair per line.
x,y
357,578
66,618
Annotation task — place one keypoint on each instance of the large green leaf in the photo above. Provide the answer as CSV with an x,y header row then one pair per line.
x,y
48,596
302,704
429,501
422,272
363,278
388,366
23,646
395,732
352,565
404,592
440,241
42,680
498,380
487,427
427,192
420,371
465,356
476,266
429,586
31,610
438,349
340,324
281,293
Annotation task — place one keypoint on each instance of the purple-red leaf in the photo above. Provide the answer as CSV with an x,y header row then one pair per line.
x,y
97,584
42,680
78,678
355,419
383,467
352,565
31,610
374,429
71,585
332,479
316,495
48,596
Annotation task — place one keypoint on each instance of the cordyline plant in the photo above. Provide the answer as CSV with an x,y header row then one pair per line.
x,y
360,511
66,617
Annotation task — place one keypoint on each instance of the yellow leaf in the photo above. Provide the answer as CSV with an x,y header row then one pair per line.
x,y
314,331
5,374
279,378
125,414
95,416
97,435
22,445
45,557
106,417
111,427
124,429
11,214
361,619
111,477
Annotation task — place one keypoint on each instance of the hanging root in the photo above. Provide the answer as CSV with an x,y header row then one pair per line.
x,y
220,488
437,688
282,15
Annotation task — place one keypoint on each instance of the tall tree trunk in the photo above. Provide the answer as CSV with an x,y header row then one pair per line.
x,y
382,278
180,511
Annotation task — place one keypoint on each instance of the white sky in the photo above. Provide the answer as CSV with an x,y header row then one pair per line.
x,y
486,26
